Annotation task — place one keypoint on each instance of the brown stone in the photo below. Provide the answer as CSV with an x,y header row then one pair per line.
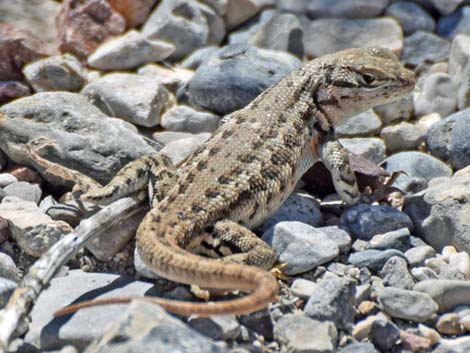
x,y
17,48
10,90
134,11
84,24
414,343
25,174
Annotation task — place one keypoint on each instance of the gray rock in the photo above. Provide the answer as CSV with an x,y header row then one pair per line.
x,y
185,119
371,148
461,345
166,137
295,334
282,32
439,95
6,289
449,139
134,98
77,134
303,288
181,149
446,293
384,334
446,7
358,348
245,33
83,327
440,213
423,273
141,267
295,6
301,246
67,212
403,136
397,239
187,25
129,51
298,207
56,73
6,179
459,69
216,83
8,268
362,293
346,9
367,123
144,325
411,17
455,23
339,236
218,327
198,57
239,11
418,255
423,47
333,301
33,230
321,36
402,108
407,304
365,221
395,273
3,160
419,167
24,191
260,322
374,260
171,78
451,272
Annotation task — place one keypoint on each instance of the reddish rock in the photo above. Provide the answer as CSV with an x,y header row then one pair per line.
x,y
84,24
134,11
25,174
414,343
10,90
17,48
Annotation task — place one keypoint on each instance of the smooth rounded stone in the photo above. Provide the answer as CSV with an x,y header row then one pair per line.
x,y
166,137
449,324
333,301
217,327
441,212
451,272
436,264
86,325
77,133
358,348
144,326
216,83
461,261
446,293
449,139
425,122
282,32
339,236
245,33
395,274
364,221
419,167
446,7
411,17
134,98
303,288
417,255
321,35
459,56
397,239
56,73
8,268
423,47
301,246
439,95
464,321
403,136
459,345
367,123
239,11
374,260
6,289
346,9
294,332
371,148
24,191
300,207
172,78
429,333
402,108
128,52
384,334
184,119
187,25
407,304
458,22
7,179
181,149
411,342
199,56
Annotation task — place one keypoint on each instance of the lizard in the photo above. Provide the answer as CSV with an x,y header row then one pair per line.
x,y
198,230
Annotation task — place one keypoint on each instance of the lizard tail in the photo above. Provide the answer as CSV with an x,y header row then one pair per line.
x,y
265,292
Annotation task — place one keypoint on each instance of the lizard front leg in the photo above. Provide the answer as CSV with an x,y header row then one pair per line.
x,y
335,158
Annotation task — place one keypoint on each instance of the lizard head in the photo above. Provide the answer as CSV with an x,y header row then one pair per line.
x,y
358,79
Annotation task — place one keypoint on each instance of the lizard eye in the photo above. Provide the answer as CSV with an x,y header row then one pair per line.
x,y
368,78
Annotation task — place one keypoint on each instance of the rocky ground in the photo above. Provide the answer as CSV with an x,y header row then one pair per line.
x,y
97,83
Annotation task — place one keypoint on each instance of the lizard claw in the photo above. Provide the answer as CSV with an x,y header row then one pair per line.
x,y
276,271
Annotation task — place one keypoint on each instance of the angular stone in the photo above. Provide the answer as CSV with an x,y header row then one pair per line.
x,y
395,273
371,148
303,288
346,9
398,239
8,268
403,136
134,11
411,16
24,191
6,289
218,327
374,260
418,255
402,108
181,149
10,90
423,47
184,119
358,348
367,123
439,95
455,23
384,334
